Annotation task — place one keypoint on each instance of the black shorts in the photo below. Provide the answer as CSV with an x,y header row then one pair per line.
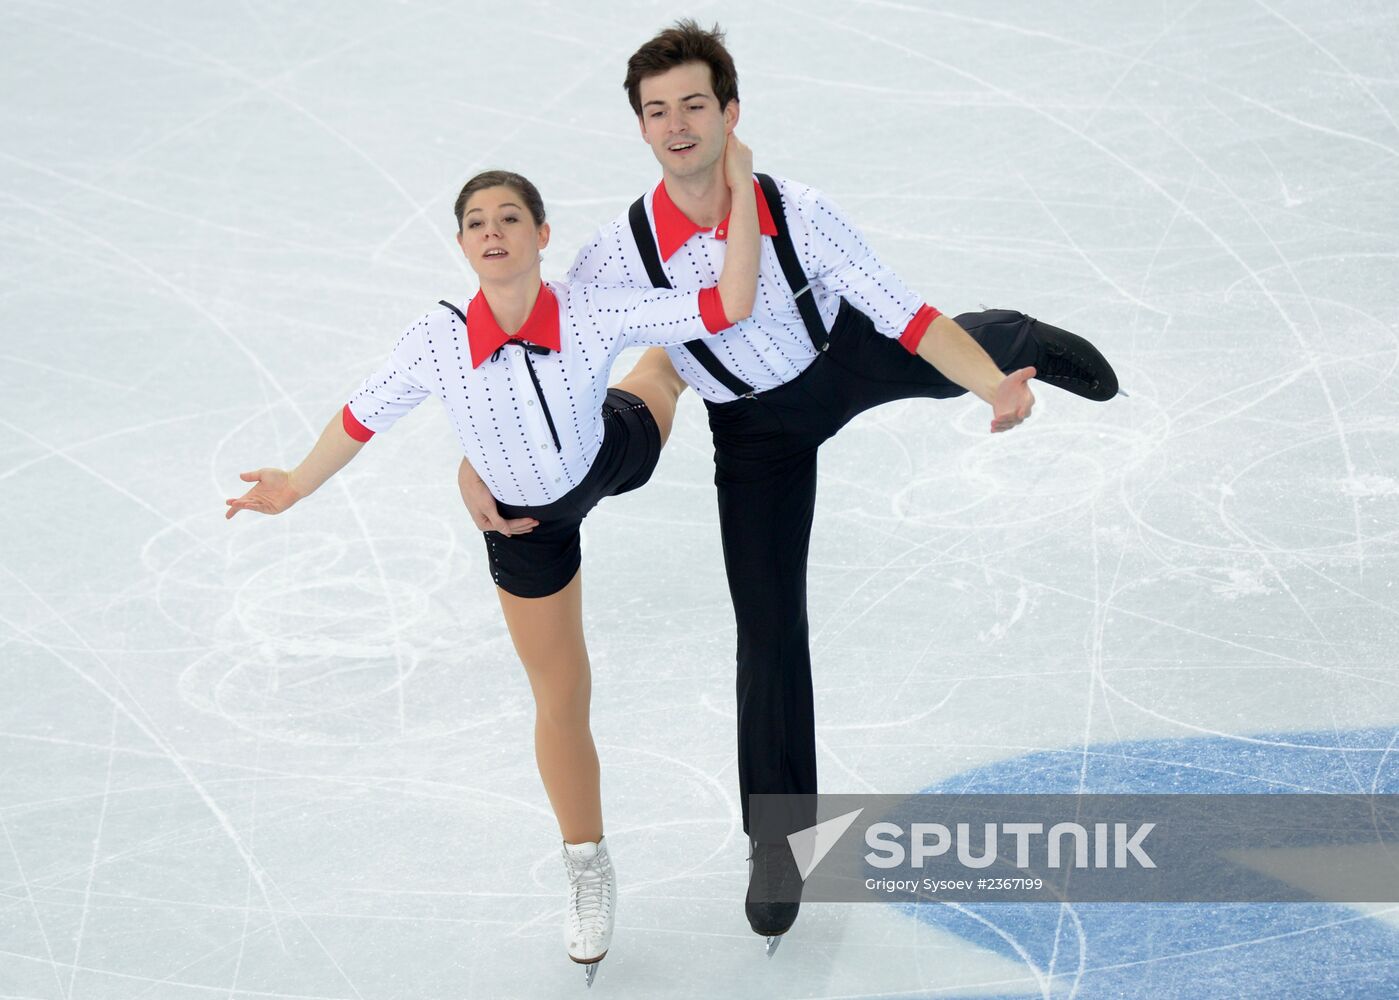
x,y
543,561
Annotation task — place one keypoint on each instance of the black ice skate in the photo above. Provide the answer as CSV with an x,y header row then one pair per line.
x,y
1071,363
774,891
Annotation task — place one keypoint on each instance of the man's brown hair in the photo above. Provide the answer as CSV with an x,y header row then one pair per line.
x,y
683,42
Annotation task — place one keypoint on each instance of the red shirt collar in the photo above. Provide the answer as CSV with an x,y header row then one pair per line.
x,y
673,227
486,337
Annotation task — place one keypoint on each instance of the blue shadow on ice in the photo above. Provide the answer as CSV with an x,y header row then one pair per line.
x,y
1191,951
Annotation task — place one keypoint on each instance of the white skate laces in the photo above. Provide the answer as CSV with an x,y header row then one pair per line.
x,y
592,901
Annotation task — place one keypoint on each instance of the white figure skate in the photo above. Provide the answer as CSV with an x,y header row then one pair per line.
x,y
592,902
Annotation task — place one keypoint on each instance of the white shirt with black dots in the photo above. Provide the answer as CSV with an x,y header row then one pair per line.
x,y
494,407
771,347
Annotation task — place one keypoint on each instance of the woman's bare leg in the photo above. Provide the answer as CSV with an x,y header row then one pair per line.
x,y
548,635
655,381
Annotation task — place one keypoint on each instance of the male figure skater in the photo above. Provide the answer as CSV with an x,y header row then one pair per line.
x,y
833,332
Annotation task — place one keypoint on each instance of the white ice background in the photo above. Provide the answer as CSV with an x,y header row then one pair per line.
x,y
291,758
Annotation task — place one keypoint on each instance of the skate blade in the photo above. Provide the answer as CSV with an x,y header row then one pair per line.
x,y
589,967
772,944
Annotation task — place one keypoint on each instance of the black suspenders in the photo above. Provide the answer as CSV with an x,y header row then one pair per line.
x,y
791,266
651,257
786,256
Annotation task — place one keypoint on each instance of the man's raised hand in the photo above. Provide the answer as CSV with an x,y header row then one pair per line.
x,y
1012,401
481,505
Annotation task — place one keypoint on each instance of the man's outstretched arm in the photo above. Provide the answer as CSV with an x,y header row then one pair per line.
x,y
951,350
836,254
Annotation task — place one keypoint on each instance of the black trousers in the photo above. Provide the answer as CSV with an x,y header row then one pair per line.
x,y
765,469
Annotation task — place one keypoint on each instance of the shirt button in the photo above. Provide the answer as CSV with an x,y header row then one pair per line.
x,y
529,402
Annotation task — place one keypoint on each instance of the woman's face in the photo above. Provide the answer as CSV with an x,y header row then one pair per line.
x,y
498,235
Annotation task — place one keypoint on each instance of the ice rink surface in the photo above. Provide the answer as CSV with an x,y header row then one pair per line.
x,y
285,759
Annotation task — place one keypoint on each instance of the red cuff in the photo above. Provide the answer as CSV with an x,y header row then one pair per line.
x,y
913,333
353,427
712,312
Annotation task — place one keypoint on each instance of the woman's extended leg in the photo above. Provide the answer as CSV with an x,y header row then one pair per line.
x,y
654,379
548,636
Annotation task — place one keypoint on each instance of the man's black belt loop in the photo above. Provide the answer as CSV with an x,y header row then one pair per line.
x,y
529,349
791,265
651,257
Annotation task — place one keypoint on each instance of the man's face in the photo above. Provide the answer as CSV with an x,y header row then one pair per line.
x,y
682,122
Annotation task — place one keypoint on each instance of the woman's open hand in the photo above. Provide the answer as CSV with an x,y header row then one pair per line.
x,y
273,493
482,507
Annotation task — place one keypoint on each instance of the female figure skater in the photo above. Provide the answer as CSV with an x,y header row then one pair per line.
x,y
523,374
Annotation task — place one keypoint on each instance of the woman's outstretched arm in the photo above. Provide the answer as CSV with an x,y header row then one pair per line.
x,y
277,489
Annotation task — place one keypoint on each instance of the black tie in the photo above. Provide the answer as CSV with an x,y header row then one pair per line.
x,y
531,348
534,349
